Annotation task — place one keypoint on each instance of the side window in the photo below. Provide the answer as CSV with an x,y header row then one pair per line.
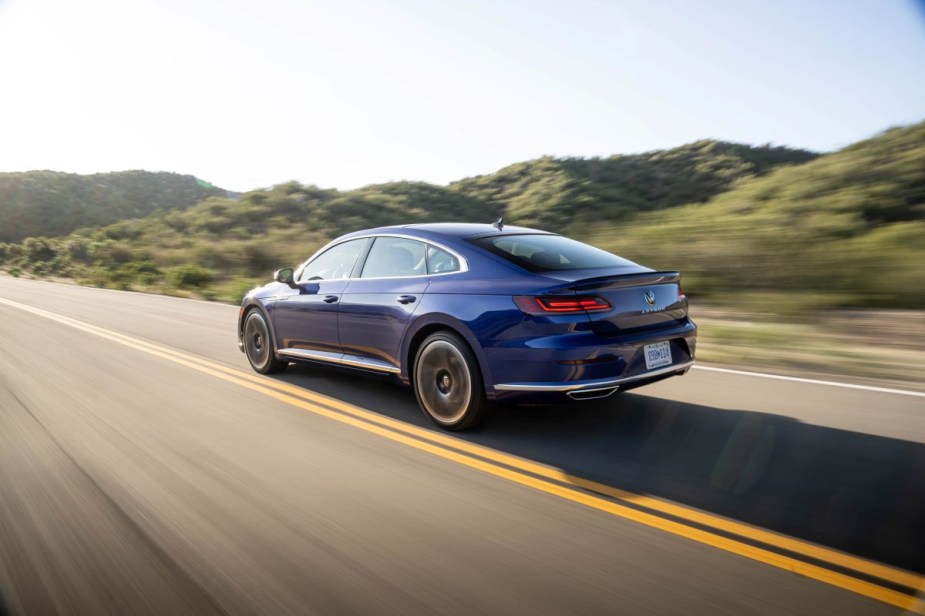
x,y
334,263
440,261
395,257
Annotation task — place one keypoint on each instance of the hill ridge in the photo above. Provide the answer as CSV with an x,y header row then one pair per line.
x,y
48,203
847,227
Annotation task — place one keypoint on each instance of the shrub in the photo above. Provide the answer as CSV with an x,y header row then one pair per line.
x,y
37,249
137,272
186,276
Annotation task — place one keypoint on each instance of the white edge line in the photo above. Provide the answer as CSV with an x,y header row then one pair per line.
x,y
883,390
142,293
780,377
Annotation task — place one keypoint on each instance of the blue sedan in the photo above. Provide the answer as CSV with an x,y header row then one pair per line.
x,y
469,315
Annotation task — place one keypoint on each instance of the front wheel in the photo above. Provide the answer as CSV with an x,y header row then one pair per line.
x,y
258,345
448,384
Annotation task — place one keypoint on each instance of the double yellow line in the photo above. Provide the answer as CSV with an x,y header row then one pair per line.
x,y
750,542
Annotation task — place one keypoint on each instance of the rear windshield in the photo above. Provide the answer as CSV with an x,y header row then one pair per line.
x,y
546,253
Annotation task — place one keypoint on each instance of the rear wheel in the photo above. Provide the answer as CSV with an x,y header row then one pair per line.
x,y
258,345
448,384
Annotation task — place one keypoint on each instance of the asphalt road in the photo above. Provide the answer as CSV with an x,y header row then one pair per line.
x,y
145,469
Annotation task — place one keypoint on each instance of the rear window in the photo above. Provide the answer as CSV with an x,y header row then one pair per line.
x,y
545,253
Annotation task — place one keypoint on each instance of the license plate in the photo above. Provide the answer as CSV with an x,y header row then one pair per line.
x,y
657,355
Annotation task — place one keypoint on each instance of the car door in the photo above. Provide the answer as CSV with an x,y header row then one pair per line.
x,y
306,321
377,305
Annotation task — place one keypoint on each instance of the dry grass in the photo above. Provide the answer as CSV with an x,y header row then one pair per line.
x,y
882,346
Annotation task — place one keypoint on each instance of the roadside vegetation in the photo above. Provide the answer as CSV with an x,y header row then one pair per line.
x,y
788,235
744,224
37,203
222,246
844,230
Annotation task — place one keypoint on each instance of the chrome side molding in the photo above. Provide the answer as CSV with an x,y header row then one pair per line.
x,y
341,359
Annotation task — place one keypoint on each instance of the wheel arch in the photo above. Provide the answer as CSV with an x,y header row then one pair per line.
x,y
416,335
246,309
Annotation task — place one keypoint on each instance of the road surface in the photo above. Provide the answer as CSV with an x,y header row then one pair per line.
x,y
145,469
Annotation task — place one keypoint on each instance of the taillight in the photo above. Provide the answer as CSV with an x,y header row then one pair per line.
x,y
681,293
560,305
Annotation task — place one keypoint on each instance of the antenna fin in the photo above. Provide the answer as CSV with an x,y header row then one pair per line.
x,y
498,224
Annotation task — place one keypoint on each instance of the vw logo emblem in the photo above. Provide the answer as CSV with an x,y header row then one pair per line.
x,y
650,297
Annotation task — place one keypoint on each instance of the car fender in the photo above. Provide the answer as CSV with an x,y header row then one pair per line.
x,y
426,320
260,304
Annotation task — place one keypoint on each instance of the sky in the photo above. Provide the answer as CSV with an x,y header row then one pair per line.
x,y
343,94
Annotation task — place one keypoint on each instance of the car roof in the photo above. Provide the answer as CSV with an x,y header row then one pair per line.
x,y
456,229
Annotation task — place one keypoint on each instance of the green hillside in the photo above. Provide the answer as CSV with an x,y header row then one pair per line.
x,y
842,229
38,203
556,193
848,227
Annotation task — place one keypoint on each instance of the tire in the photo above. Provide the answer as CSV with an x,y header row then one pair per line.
x,y
258,345
448,384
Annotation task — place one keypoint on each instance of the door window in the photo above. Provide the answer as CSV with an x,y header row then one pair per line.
x,y
335,263
440,261
395,257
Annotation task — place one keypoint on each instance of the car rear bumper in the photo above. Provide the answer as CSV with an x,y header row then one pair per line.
x,y
583,365
578,365
597,388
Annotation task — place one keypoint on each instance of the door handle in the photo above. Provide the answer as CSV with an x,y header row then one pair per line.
x,y
329,299
405,299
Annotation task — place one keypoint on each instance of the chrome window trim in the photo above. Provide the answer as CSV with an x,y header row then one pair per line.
x,y
590,386
463,262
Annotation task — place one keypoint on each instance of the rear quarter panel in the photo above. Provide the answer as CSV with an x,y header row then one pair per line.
x,y
474,317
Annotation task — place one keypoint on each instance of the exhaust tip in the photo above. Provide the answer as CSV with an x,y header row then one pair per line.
x,y
592,394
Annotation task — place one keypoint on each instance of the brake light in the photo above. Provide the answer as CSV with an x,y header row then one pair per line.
x,y
560,305
681,293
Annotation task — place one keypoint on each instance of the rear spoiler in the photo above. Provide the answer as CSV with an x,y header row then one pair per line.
x,y
601,283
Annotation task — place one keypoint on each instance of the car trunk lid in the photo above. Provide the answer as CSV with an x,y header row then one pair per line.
x,y
639,300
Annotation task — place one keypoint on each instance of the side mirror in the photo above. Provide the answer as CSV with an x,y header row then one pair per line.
x,y
285,276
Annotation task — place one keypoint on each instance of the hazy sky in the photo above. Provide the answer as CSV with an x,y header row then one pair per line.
x,y
344,93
